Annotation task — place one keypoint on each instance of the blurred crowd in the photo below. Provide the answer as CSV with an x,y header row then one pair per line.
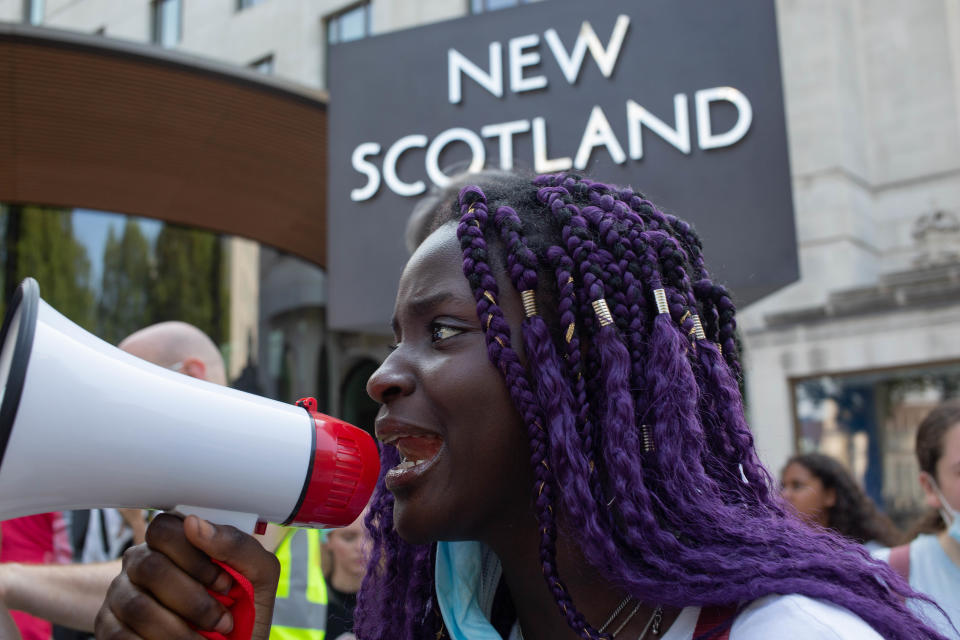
x,y
825,495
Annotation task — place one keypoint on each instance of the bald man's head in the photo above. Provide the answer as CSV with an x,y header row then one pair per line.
x,y
179,344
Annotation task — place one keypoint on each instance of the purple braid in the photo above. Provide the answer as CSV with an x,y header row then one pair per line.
x,y
675,525
470,232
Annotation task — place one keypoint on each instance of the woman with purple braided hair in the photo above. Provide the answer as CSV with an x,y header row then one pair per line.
x,y
564,451
620,415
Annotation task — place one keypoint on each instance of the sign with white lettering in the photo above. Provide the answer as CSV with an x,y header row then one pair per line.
x,y
680,99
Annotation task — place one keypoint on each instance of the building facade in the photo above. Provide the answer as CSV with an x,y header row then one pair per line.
x,y
845,360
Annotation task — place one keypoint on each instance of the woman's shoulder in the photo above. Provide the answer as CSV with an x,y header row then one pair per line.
x,y
796,617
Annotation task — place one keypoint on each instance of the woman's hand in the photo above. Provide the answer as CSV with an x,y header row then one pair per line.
x,y
162,591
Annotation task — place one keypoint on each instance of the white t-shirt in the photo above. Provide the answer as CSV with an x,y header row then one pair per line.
x,y
792,617
933,573
467,574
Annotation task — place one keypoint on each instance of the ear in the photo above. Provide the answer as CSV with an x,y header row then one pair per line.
x,y
830,498
930,497
194,368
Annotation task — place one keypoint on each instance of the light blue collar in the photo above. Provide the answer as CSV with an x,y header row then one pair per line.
x,y
466,577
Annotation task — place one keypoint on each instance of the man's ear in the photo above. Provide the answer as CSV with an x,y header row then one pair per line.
x,y
195,368
930,497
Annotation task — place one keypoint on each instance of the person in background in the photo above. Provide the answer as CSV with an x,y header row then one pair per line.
x,y
37,539
931,561
824,493
349,552
8,628
71,595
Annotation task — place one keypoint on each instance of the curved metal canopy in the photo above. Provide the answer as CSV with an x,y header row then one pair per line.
x,y
98,123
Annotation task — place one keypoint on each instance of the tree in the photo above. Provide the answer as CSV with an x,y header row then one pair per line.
x,y
47,250
123,306
189,285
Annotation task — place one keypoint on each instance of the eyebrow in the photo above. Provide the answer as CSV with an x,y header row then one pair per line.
x,y
422,306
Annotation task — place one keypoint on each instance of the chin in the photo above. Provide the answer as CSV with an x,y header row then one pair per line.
x,y
410,527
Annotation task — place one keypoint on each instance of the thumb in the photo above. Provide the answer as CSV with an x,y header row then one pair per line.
x,y
243,553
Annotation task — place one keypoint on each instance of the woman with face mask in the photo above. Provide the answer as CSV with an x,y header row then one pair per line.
x,y
564,453
932,560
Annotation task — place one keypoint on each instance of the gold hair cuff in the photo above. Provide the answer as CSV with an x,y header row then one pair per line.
x,y
603,312
698,328
660,295
647,438
570,329
529,302
719,348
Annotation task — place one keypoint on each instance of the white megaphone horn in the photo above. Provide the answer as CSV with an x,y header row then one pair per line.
x,y
84,424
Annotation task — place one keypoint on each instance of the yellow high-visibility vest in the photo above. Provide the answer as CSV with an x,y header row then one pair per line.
x,y
300,612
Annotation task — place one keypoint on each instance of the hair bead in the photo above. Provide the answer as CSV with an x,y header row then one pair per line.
x,y
660,295
603,312
647,438
529,302
698,328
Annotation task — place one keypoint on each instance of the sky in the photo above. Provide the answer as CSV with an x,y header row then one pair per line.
x,y
91,228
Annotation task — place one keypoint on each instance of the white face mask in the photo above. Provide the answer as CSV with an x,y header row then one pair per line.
x,y
949,514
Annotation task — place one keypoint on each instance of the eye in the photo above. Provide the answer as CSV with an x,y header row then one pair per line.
x,y
440,332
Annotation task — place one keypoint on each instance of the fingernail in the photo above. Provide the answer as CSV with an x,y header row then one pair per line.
x,y
205,528
223,583
225,625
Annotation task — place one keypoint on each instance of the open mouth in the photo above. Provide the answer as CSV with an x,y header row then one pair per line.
x,y
417,454
416,450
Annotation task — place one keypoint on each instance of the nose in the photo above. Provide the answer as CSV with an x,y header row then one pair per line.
x,y
392,379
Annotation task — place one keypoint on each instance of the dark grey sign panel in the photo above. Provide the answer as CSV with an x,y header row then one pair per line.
x,y
680,99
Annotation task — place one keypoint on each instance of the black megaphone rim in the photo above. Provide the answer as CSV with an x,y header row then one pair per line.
x,y
27,299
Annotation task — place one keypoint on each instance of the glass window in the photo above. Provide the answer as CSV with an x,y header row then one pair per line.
x,y
167,22
869,422
263,65
33,11
480,6
352,24
246,4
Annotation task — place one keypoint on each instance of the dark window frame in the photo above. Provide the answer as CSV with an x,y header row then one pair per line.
x,y
482,6
155,22
28,6
335,18
255,64
247,4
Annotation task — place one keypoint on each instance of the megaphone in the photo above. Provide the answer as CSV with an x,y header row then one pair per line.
x,y
84,425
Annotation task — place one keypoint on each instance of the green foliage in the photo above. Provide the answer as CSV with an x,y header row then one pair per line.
x,y
46,249
181,278
123,307
188,284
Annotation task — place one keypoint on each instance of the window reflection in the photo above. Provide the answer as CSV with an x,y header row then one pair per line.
x,y
868,421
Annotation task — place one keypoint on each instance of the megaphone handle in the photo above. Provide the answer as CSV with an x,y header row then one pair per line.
x,y
239,600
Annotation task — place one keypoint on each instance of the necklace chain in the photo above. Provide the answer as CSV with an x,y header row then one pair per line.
x,y
615,613
653,623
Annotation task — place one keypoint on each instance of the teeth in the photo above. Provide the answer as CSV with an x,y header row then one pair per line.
x,y
409,464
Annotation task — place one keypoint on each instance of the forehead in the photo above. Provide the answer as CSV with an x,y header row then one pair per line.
x,y
951,445
436,266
